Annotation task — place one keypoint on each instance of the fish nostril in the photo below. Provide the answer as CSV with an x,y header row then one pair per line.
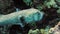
x,y
22,19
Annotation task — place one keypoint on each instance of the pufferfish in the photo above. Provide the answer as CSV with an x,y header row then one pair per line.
x,y
27,16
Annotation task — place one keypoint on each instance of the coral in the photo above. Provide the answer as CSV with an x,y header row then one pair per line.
x,y
34,31
50,3
56,29
45,31
58,11
58,2
28,2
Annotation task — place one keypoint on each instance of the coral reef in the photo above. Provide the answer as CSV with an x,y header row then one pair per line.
x,y
56,29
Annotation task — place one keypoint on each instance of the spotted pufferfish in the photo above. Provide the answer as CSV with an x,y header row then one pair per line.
x,y
28,15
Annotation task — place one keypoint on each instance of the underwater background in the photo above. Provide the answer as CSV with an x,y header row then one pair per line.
x,y
29,16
